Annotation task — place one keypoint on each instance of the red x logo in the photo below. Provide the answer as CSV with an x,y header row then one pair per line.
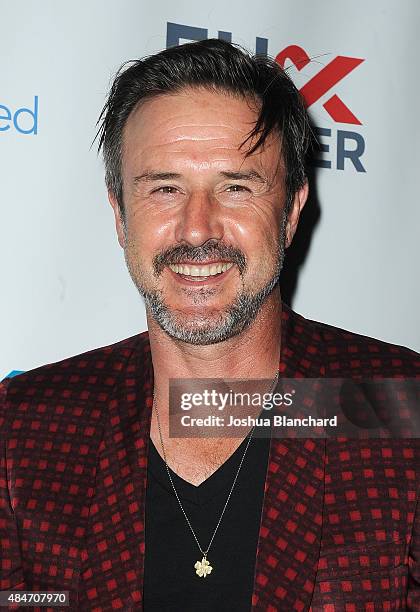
x,y
322,82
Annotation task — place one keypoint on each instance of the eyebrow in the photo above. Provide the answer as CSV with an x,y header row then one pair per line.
x,y
156,176
251,175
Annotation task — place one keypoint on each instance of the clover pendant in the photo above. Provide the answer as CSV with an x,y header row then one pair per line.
x,y
202,568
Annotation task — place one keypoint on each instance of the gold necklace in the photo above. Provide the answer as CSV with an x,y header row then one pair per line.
x,y
203,567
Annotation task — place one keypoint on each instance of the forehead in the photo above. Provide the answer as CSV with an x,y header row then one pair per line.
x,y
197,122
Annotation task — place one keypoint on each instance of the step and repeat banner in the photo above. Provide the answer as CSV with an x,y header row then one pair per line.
x,y
64,285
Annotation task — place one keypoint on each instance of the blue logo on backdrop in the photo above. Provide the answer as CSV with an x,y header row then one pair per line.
x,y
22,120
14,373
349,145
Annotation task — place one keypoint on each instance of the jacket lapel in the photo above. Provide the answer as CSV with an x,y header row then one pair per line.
x,y
113,559
291,520
145,371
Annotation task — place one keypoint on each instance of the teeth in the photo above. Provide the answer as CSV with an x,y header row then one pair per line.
x,y
200,270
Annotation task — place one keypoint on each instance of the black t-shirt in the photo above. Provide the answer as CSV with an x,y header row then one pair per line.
x,y
170,580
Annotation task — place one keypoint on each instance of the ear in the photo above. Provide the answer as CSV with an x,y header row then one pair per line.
x,y
119,223
298,203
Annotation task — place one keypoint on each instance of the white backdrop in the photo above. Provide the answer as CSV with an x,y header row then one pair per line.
x,y
64,285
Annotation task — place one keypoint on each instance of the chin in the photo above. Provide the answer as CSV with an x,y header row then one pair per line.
x,y
201,337
201,330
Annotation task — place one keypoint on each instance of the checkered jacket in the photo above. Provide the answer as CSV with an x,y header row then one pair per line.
x,y
340,526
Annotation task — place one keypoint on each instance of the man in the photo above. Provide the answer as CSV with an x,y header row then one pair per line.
x,y
204,150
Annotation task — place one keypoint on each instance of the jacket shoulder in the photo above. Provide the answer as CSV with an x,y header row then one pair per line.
x,y
87,378
347,353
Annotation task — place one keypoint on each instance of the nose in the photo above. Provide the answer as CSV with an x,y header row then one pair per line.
x,y
199,220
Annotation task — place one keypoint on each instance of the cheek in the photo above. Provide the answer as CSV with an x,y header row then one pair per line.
x,y
260,242
142,236
137,250
150,227
260,222
265,256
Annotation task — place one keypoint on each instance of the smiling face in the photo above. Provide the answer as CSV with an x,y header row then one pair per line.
x,y
205,228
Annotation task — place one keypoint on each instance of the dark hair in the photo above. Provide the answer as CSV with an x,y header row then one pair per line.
x,y
221,66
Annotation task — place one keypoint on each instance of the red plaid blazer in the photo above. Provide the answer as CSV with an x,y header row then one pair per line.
x,y
340,527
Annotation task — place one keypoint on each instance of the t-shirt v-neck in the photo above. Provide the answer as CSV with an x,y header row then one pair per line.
x,y
213,485
170,581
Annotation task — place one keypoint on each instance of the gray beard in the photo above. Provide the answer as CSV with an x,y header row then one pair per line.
x,y
237,317
240,314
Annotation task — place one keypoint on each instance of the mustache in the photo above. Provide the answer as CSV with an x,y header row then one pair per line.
x,y
213,249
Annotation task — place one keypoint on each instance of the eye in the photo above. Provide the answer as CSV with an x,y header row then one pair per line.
x,y
165,189
237,188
